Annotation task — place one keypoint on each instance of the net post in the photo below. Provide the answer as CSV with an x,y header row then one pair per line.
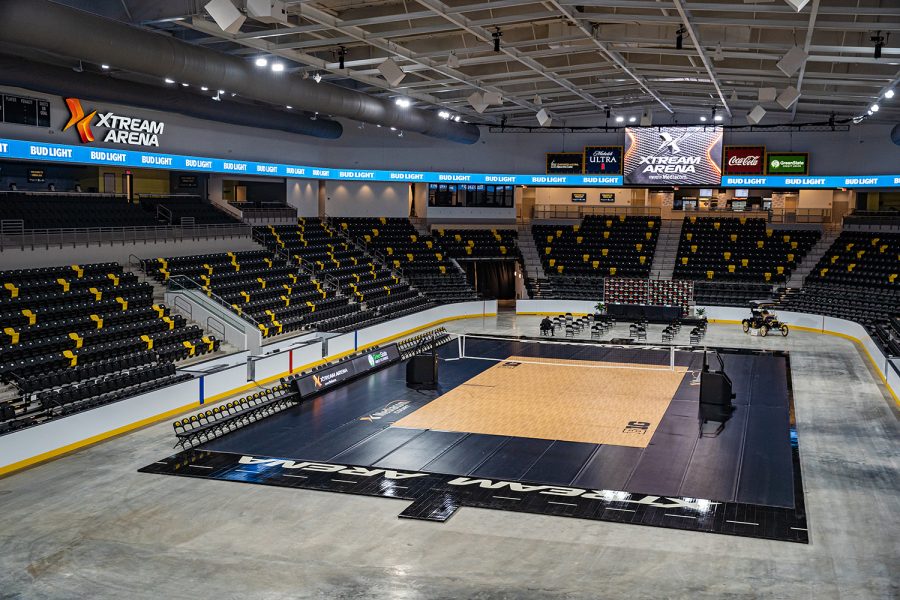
x,y
460,341
671,358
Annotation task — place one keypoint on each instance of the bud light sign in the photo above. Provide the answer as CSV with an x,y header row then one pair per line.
x,y
745,160
606,160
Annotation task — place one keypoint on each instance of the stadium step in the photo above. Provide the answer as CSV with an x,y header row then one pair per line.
x,y
812,258
533,268
666,249
159,290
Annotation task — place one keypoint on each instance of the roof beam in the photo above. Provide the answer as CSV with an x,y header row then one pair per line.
x,y
809,34
740,7
755,23
475,28
611,54
685,15
209,28
319,16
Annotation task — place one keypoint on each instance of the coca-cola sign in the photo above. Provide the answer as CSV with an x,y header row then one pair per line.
x,y
745,160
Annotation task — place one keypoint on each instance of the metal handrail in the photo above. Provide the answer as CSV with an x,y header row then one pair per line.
x,y
86,236
268,213
164,196
544,211
66,194
182,282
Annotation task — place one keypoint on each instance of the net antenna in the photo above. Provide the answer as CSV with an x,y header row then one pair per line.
x,y
460,346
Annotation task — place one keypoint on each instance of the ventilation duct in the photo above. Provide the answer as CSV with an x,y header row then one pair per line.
x,y
65,82
65,31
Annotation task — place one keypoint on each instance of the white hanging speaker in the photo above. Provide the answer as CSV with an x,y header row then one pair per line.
x,y
543,118
767,94
797,5
391,72
476,99
267,11
647,118
493,99
791,62
226,16
788,97
756,115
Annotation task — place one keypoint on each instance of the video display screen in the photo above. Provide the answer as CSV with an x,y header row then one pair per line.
x,y
673,156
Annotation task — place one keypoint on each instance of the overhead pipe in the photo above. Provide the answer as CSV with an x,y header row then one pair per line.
x,y
61,81
65,31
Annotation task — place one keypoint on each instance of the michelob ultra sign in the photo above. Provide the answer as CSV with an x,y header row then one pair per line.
x,y
603,159
787,163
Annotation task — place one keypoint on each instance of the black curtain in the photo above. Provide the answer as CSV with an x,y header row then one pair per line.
x,y
496,279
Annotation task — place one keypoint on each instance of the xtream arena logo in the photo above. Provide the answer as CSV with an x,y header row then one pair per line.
x,y
132,131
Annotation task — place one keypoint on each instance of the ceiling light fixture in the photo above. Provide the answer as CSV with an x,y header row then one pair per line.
x,y
184,85
444,114
718,54
456,118
289,107
277,67
402,102
104,67
874,107
203,88
632,119
262,62
703,118
318,77
169,81
620,119
889,94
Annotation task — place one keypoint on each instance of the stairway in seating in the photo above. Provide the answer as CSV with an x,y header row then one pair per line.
x,y
666,249
812,258
533,267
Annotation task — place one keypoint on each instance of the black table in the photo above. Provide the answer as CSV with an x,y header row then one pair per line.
x,y
653,313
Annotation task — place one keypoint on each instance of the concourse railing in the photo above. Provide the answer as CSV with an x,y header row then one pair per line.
x,y
546,211
21,239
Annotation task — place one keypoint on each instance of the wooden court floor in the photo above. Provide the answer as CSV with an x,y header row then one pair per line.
x,y
556,399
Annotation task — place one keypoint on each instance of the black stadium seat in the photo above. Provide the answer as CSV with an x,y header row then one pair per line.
x,y
79,336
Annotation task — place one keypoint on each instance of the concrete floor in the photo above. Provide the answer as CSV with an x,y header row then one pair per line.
x,y
90,526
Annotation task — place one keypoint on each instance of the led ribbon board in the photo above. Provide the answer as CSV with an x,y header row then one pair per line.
x,y
85,155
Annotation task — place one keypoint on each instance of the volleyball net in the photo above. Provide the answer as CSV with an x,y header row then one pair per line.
x,y
556,352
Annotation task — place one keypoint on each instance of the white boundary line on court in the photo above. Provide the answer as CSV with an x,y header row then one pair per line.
x,y
551,364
